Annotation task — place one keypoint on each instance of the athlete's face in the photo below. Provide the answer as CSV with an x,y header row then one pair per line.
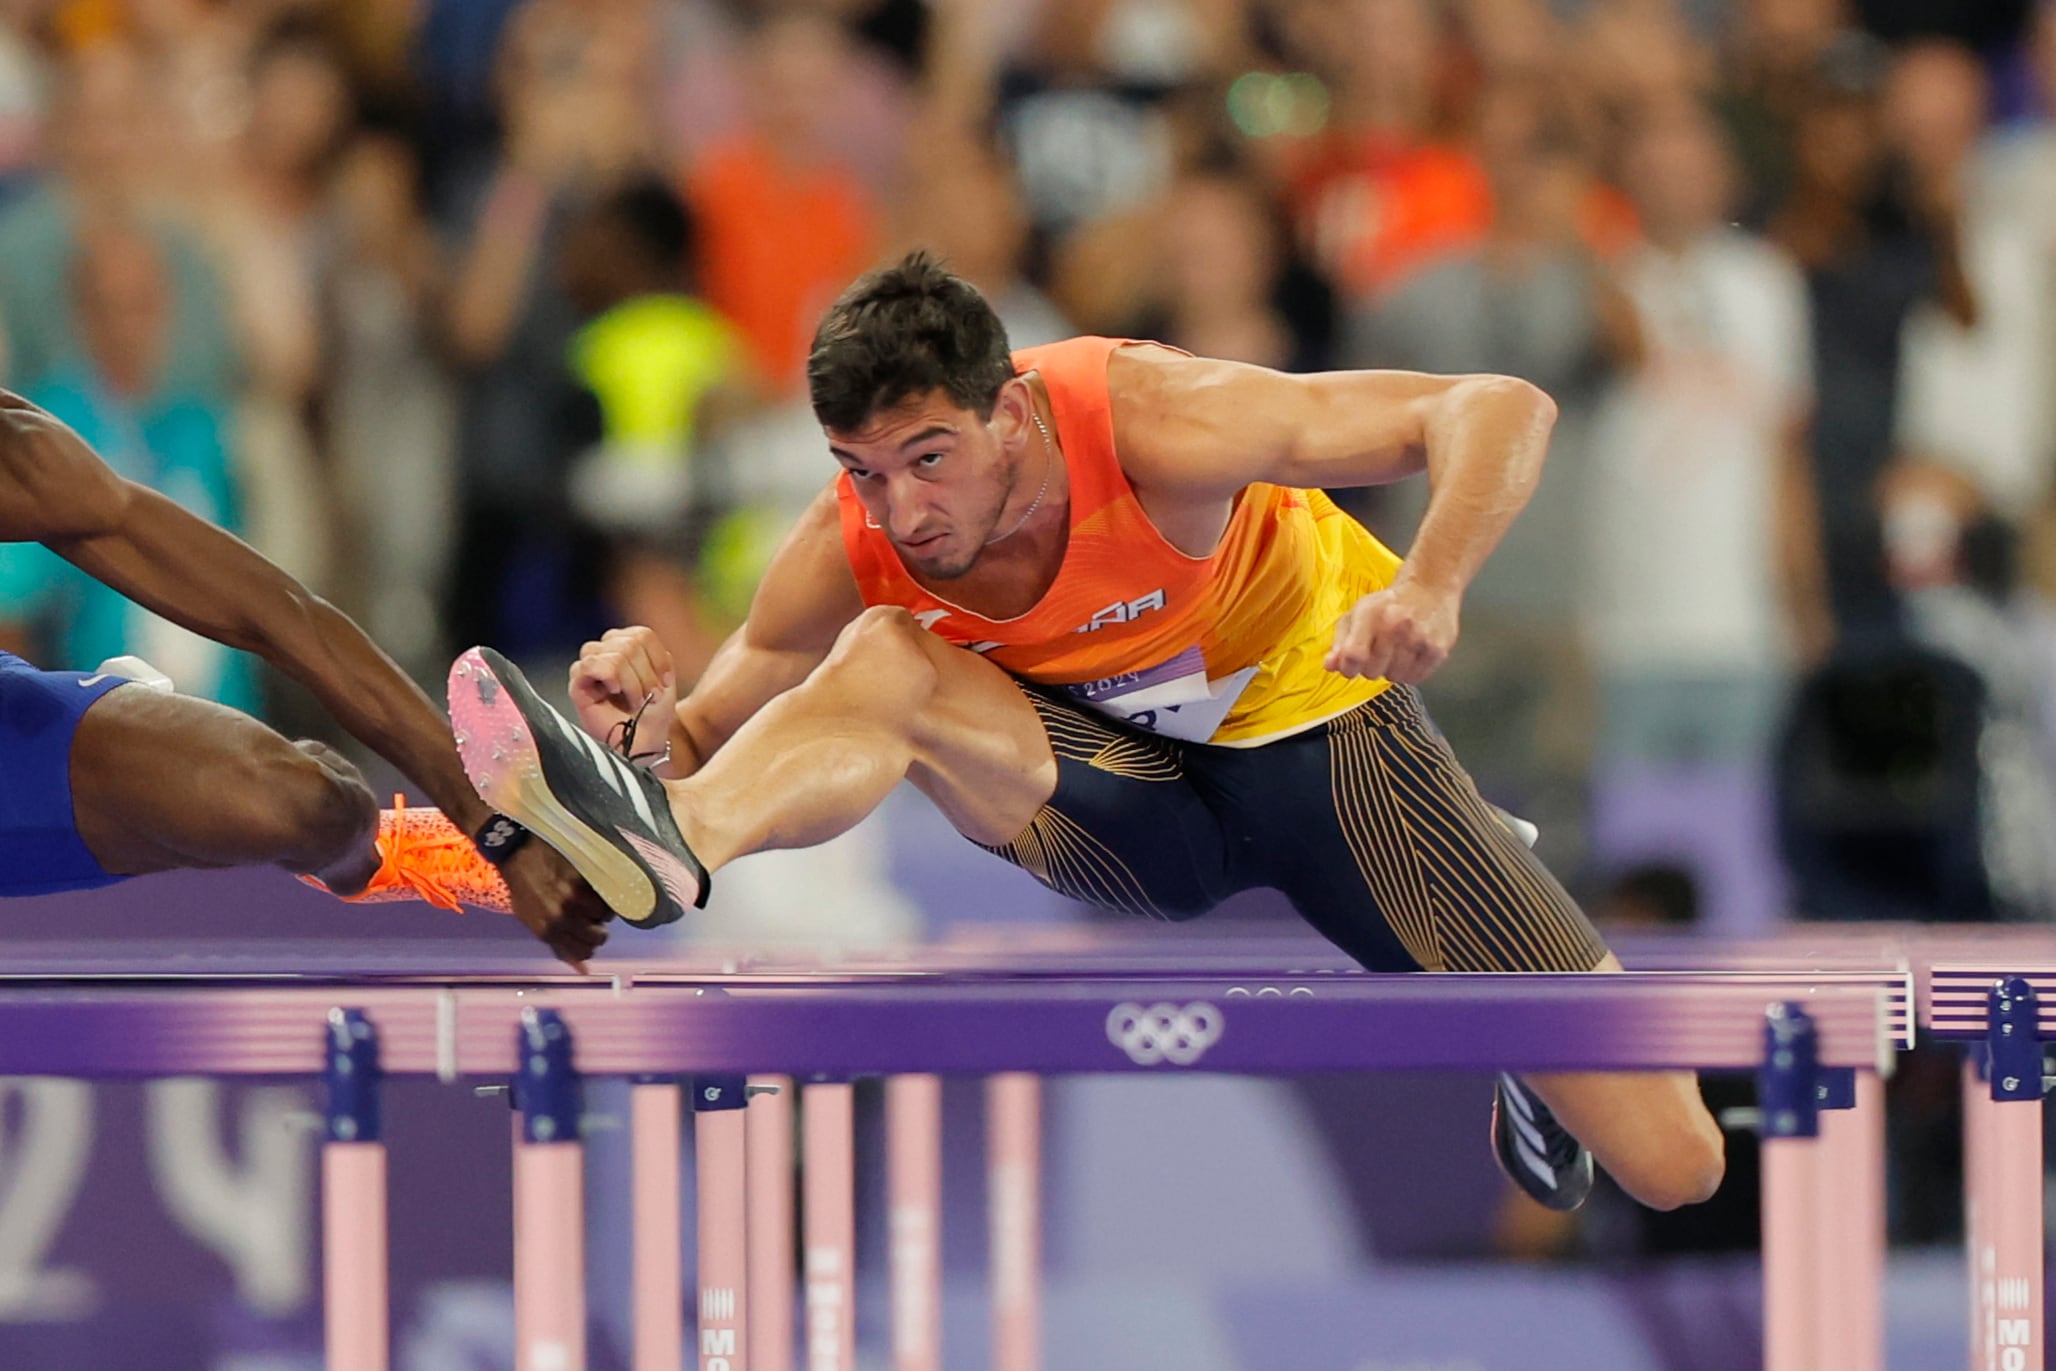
x,y
936,477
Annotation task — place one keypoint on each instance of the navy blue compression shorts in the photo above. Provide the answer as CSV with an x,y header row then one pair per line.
x,y
1366,823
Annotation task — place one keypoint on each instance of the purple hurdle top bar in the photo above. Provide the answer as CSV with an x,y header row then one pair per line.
x,y
1526,1023
1139,948
1111,973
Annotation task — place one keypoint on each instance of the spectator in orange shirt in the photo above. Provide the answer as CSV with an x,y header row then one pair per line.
x,y
1377,195
784,227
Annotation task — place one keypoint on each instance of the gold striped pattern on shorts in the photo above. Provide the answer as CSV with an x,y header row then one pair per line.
x,y
1458,888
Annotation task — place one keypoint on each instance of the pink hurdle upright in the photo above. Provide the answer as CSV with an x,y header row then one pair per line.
x,y
1795,1250
828,1220
721,1147
768,1127
1013,1137
549,1201
2001,1009
1823,1209
913,1184
2002,1182
353,1201
657,1249
1851,1210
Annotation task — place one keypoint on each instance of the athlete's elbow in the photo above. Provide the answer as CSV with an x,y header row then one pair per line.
x,y
1524,403
1504,422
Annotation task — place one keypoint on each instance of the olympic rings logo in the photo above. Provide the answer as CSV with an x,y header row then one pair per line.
x,y
1162,1033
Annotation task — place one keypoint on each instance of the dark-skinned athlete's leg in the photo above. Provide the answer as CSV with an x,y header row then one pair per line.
x,y
162,782
1117,824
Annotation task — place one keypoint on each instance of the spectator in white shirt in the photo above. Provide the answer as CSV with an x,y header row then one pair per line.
x,y
1706,564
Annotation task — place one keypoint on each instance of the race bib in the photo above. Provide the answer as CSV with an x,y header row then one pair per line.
x,y
1175,699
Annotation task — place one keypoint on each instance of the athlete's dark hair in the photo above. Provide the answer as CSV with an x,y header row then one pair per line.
x,y
903,331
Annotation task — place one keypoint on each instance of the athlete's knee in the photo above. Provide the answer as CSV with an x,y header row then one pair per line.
x,y
1706,1160
1689,1170
307,803
1696,1177
885,653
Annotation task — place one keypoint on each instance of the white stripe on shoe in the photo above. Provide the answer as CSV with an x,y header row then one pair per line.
x,y
1537,1164
1529,1134
1523,1118
616,772
1529,1144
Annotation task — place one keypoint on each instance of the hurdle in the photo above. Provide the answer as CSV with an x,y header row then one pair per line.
x,y
2000,1011
547,1040
1846,1305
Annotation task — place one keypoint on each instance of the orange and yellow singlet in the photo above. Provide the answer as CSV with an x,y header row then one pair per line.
x,y
1219,649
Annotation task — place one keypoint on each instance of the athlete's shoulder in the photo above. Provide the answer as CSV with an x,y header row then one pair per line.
x,y
818,531
1142,371
813,553
810,586
1067,362
1155,393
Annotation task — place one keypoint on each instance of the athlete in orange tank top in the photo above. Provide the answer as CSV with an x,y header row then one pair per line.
x,y
1225,648
1124,530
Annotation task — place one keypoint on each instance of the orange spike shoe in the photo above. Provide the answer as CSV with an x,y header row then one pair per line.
x,y
426,857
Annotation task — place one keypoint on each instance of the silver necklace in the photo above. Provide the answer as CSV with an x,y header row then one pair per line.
x,y
1049,449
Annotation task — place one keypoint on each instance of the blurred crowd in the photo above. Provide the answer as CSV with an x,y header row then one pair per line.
x,y
487,318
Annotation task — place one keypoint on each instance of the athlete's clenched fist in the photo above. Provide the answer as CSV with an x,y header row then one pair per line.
x,y
614,678
1403,633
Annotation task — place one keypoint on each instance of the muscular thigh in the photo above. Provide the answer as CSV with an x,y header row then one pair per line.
x,y
1098,812
156,775
1384,845
1123,828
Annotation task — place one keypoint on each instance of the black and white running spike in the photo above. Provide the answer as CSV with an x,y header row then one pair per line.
x,y
610,819
1534,1150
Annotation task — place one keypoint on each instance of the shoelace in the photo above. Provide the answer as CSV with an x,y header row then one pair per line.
x,y
424,861
621,738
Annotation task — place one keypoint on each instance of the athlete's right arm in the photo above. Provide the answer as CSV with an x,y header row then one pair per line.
x,y
55,490
51,484
806,598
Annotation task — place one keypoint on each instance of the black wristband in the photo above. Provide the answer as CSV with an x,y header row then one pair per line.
x,y
499,838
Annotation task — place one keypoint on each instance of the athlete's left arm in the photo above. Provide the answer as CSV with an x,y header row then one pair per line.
x,y
1208,428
